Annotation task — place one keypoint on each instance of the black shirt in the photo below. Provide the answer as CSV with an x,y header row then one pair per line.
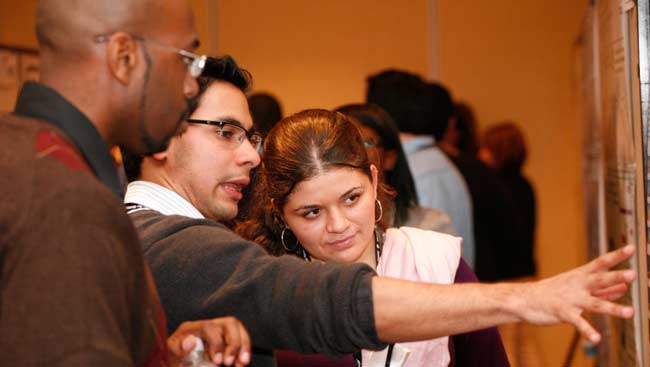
x,y
44,103
523,195
495,229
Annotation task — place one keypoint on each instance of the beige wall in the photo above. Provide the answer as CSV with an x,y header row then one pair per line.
x,y
318,53
17,23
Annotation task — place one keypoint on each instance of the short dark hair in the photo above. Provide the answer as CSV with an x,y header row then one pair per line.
x,y
417,107
216,69
466,129
266,111
441,108
401,94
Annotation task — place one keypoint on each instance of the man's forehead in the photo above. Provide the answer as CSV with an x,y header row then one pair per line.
x,y
223,101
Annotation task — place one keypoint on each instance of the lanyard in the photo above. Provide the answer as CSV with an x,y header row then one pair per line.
x,y
133,207
380,236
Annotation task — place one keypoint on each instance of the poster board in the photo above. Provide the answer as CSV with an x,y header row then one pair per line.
x,y
16,66
643,28
588,66
616,161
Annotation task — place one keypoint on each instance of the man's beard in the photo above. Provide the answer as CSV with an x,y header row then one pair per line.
x,y
155,146
152,145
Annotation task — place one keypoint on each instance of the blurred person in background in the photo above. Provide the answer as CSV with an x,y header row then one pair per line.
x,y
381,139
461,137
265,110
493,209
422,111
503,148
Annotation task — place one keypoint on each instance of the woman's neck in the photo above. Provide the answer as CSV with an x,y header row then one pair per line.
x,y
372,251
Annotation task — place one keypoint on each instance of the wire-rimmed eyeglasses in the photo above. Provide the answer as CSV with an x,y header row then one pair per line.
x,y
195,63
232,133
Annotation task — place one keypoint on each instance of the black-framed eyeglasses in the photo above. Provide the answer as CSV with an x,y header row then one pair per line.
x,y
195,63
232,133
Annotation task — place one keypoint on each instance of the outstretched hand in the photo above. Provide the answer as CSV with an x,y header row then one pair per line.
x,y
591,287
225,338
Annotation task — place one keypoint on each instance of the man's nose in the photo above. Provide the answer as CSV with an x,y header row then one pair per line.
x,y
190,86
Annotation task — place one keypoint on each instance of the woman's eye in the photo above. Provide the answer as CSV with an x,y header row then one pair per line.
x,y
311,214
352,198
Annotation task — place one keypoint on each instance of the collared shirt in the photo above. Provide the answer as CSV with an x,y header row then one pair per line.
x,y
44,103
161,199
439,185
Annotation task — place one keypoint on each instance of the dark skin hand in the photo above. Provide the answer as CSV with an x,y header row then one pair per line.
x,y
226,341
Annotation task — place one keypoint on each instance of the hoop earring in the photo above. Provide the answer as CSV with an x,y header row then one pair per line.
x,y
286,248
381,210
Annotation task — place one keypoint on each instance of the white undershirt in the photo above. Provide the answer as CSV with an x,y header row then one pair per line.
x,y
159,198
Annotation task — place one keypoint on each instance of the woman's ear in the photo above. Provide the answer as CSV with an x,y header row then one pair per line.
x,y
375,177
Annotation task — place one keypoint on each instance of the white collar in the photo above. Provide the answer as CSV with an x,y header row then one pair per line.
x,y
160,199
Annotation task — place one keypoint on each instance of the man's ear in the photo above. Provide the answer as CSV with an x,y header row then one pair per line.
x,y
161,156
122,56
164,155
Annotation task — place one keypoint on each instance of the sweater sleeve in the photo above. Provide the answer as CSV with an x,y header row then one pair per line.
x,y
204,271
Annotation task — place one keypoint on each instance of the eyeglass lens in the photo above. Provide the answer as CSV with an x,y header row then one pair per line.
x,y
197,66
195,63
238,134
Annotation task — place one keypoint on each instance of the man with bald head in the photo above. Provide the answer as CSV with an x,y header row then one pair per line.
x,y
121,65
75,289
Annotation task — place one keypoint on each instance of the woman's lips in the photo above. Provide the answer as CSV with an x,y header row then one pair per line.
x,y
342,243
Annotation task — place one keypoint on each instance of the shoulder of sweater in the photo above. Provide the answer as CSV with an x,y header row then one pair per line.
x,y
154,227
23,123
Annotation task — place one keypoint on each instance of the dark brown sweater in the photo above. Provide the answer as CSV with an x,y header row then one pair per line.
x,y
74,287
